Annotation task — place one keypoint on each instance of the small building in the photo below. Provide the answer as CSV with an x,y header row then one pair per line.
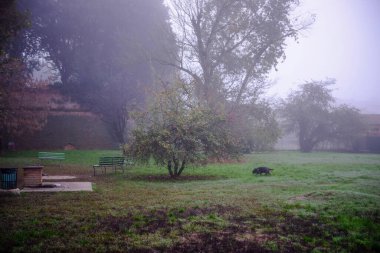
x,y
372,122
370,141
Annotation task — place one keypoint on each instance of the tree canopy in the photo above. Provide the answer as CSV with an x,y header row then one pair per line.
x,y
176,131
227,47
11,23
225,51
311,113
18,103
102,51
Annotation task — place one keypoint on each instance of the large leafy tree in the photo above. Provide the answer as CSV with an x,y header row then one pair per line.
x,y
101,51
227,47
311,113
226,50
176,131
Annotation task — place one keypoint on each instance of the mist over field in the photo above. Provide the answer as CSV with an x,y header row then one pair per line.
x,y
342,44
189,126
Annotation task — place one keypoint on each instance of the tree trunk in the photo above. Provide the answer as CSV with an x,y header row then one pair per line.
x,y
176,171
170,168
182,167
306,146
304,142
175,161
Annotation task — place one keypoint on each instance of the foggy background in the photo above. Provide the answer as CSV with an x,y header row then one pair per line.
x,y
343,43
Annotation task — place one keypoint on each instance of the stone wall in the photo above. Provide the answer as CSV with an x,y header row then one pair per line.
x,y
83,131
68,126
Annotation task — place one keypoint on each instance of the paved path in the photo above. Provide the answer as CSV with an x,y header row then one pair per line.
x,y
57,177
61,187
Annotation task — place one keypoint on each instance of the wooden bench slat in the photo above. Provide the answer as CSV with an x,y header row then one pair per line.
x,y
51,156
114,162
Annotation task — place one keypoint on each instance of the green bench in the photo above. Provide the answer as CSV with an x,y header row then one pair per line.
x,y
51,156
115,163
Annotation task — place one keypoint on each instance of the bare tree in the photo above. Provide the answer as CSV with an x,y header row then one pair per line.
x,y
227,47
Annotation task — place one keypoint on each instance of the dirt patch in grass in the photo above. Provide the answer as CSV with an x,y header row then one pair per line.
x,y
221,229
165,178
275,233
215,228
222,241
313,196
143,221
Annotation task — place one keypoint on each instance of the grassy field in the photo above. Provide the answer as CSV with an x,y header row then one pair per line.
x,y
318,202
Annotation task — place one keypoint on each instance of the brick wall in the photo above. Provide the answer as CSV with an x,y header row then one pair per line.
x,y
82,131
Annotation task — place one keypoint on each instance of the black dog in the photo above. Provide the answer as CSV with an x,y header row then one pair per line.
x,y
262,170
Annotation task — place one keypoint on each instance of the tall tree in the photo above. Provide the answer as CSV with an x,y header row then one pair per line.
x,y
311,113
226,50
12,21
227,47
20,111
101,50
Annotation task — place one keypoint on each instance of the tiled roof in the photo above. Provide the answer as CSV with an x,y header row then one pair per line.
x,y
371,119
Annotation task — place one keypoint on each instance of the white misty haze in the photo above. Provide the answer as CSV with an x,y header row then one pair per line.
x,y
343,43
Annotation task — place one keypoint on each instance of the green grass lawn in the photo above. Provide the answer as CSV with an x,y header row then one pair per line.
x,y
318,202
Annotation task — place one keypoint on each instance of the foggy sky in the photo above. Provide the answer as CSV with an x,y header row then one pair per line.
x,y
343,43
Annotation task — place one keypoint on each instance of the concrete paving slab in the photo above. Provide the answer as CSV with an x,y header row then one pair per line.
x,y
60,187
57,177
11,192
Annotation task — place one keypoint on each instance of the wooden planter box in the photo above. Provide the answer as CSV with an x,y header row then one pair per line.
x,y
33,176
